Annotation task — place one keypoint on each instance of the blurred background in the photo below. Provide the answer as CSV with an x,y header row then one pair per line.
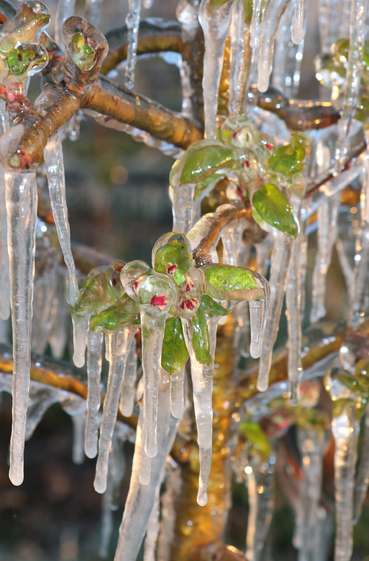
x,y
118,204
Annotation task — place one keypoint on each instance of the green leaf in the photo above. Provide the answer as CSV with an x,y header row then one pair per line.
x,y
256,437
211,308
288,160
174,258
202,161
200,337
174,354
225,282
271,206
124,313
100,290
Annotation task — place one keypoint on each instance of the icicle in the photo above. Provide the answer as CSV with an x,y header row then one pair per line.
x,y
294,302
327,233
65,9
152,531
129,389
43,297
278,274
268,30
186,210
80,334
59,332
257,325
238,72
202,384
78,432
298,22
168,511
177,398
362,472
140,498
359,9
329,23
234,249
94,362
41,398
215,22
260,480
4,259
359,286
56,179
117,346
21,207
311,445
133,23
93,9
345,432
152,329
347,270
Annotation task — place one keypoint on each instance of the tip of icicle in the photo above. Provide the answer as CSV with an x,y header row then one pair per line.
x,y
262,385
99,486
79,360
16,476
91,451
202,498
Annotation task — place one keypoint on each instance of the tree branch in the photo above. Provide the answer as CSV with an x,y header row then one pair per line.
x,y
155,36
142,113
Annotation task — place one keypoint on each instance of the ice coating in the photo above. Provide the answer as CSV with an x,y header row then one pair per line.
x,y
80,335
278,275
21,208
56,180
215,22
117,348
94,363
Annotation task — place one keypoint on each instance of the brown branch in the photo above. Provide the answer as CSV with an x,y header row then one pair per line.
x,y
30,149
142,113
155,36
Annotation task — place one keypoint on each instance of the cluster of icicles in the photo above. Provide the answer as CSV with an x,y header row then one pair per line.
x,y
165,398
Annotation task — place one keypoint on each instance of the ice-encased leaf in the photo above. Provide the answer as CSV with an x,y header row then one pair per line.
x,y
99,291
271,207
174,353
172,254
289,159
200,337
227,282
124,313
202,161
211,307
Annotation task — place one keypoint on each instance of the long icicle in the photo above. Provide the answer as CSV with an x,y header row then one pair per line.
x,y
202,384
260,480
133,23
117,347
152,329
4,259
279,266
177,396
238,74
94,363
141,497
56,179
345,432
358,28
152,530
127,399
362,472
327,233
311,446
215,22
298,22
21,207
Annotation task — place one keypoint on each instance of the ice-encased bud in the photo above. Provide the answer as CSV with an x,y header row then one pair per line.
x,y
85,45
171,254
25,60
156,292
25,27
190,293
100,290
131,276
